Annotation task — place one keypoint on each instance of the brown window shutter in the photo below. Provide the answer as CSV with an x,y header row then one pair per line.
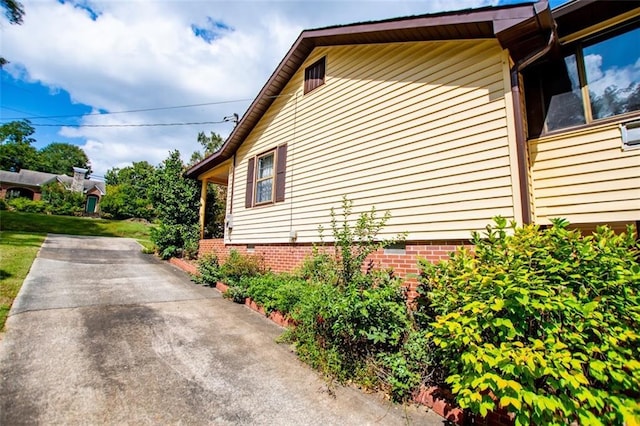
x,y
281,171
314,75
248,199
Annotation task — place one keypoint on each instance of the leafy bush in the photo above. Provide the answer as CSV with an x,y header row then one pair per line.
x,y
319,267
276,292
542,322
62,201
354,242
351,318
3,204
343,330
209,270
176,240
239,266
408,368
237,293
125,201
26,205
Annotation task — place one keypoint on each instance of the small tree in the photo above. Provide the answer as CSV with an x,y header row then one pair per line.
x,y
128,192
16,150
353,244
177,201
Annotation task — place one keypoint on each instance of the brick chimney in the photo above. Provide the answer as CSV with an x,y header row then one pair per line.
x,y
77,184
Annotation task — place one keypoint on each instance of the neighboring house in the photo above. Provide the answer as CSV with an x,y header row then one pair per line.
x,y
29,183
446,120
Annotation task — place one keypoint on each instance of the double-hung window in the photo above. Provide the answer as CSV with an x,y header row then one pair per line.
x,y
594,78
265,178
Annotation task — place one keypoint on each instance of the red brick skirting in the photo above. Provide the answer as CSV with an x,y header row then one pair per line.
x,y
185,265
438,400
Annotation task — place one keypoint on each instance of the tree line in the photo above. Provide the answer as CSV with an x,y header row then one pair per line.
x,y
17,152
159,194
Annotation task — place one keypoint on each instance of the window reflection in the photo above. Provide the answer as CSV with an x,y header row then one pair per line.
x,y
612,68
565,107
609,68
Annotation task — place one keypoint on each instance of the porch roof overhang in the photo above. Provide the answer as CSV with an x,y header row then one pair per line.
x,y
218,173
520,28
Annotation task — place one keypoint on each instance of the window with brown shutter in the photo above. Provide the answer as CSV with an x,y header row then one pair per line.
x,y
266,177
314,75
281,171
248,198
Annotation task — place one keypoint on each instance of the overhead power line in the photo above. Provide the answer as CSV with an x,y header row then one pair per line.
x,y
195,123
131,110
33,116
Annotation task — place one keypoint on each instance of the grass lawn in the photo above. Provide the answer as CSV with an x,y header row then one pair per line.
x,y
22,234
18,252
50,224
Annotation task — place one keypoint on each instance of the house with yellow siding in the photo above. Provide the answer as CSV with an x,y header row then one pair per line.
x,y
445,120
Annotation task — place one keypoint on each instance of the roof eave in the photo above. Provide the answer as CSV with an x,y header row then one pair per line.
x,y
501,23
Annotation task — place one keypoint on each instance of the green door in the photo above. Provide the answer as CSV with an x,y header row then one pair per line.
x,y
92,200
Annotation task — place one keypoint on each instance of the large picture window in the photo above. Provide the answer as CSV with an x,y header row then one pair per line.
x,y
597,78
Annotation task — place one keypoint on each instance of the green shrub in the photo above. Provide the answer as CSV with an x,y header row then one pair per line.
x,y
545,320
276,292
408,368
26,205
352,318
209,270
238,266
319,267
62,201
237,293
353,242
176,240
3,204
344,330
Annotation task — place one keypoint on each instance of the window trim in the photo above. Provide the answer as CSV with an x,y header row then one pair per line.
x,y
279,177
311,84
272,176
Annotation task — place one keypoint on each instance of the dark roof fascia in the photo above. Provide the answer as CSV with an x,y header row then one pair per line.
x,y
578,15
570,7
489,22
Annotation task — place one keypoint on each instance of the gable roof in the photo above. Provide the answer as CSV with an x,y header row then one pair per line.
x,y
521,28
38,179
27,177
87,184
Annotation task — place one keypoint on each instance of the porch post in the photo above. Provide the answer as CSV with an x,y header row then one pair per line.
x,y
203,205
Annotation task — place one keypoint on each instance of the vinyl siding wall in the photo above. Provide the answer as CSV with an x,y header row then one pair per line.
x,y
586,177
419,129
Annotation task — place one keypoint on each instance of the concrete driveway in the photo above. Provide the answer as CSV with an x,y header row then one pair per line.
x,y
103,334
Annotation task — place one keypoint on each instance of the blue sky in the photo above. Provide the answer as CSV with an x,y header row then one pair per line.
x,y
166,61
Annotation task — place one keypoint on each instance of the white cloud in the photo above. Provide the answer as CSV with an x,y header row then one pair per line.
x,y
621,77
144,54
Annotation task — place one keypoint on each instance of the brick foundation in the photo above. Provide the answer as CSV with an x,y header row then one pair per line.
x,y
287,257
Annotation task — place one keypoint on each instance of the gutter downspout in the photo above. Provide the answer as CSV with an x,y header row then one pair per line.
x,y
521,137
